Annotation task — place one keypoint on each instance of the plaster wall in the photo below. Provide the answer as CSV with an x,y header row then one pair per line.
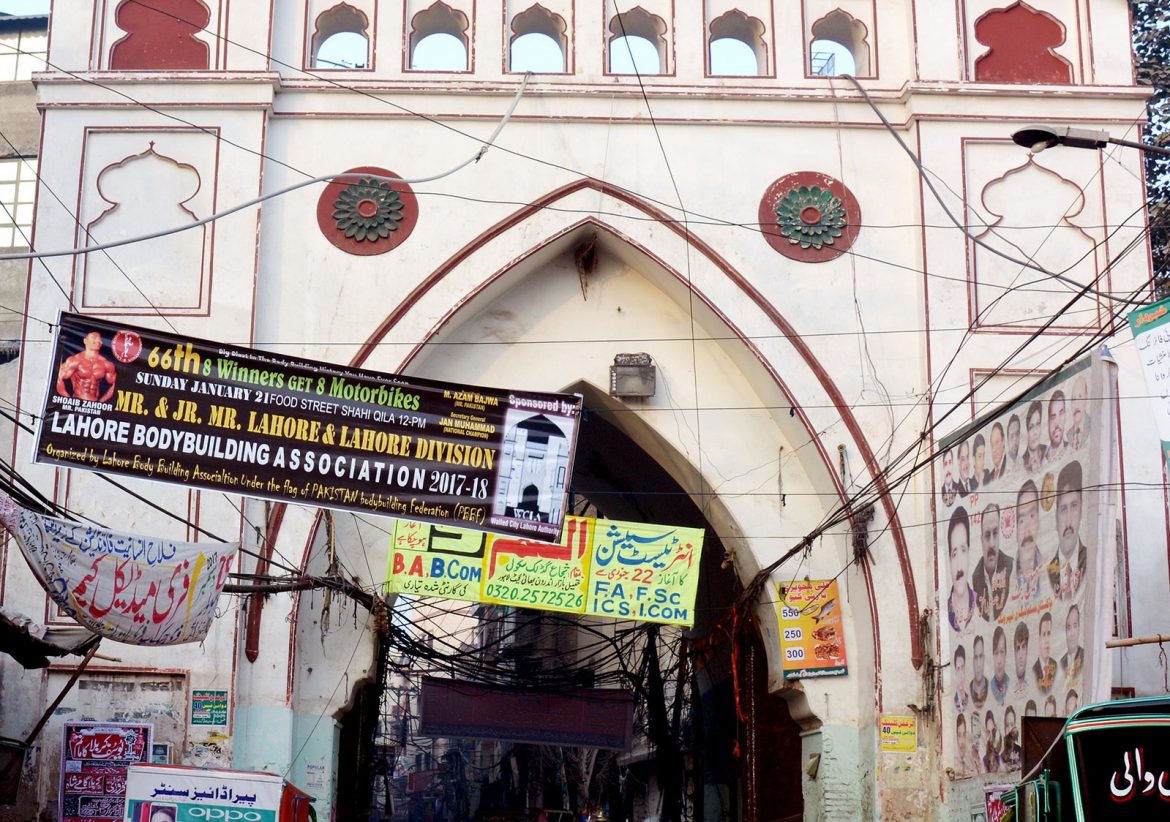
x,y
767,366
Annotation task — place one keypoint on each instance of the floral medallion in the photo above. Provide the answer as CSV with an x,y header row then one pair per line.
x,y
364,215
368,210
809,216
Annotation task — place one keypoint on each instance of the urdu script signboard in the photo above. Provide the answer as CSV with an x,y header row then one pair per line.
x,y
165,407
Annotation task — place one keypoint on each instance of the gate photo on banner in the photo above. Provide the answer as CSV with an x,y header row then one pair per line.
x,y
165,407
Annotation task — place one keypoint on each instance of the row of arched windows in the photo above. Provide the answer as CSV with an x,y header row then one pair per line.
x,y
539,42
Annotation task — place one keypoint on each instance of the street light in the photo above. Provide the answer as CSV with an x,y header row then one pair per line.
x,y
1037,138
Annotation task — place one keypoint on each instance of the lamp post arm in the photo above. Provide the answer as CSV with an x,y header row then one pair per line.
x,y
1146,147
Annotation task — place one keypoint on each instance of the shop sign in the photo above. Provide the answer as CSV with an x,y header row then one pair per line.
x,y
1151,333
812,632
606,568
898,734
1123,771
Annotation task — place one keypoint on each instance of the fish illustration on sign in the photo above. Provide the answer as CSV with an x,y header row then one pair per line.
x,y
825,610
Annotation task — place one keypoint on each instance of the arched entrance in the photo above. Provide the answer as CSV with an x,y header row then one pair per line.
x,y
739,750
725,427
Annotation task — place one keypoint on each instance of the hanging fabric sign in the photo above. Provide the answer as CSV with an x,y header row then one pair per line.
x,y
127,588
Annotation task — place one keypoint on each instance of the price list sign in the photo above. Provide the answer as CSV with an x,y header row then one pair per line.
x,y
811,629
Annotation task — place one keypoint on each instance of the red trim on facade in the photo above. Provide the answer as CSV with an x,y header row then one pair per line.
x,y
1122,508
760,301
294,613
203,309
256,601
970,253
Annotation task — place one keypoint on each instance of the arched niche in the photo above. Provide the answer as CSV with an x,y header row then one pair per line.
x,y
839,45
439,40
341,39
736,47
539,42
637,44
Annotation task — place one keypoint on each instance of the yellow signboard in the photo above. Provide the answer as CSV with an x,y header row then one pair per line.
x,y
812,631
898,734
548,576
625,570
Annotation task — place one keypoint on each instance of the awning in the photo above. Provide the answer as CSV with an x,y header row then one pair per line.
x,y
31,644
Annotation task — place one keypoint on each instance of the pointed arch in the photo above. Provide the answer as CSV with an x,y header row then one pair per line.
x,y
815,370
836,31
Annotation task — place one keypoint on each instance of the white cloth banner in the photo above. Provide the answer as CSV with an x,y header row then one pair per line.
x,y
128,588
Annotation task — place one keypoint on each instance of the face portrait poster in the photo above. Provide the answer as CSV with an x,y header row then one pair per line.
x,y
169,408
94,760
1026,530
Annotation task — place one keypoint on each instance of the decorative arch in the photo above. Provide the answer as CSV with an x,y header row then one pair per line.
x,y
1029,194
441,21
135,209
1021,43
737,26
639,23
842,28
161,36
338,21
538,21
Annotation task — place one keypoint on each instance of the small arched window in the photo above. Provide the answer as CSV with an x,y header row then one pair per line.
x,y
637,43
736,47
340,39
539,42
438,39
839,46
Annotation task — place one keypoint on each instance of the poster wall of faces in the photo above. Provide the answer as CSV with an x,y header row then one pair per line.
x,y
1026,513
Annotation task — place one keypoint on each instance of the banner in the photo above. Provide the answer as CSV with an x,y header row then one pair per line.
x,y
127,588
159,406
1151,332
599,567
94,760
1026,527
812,632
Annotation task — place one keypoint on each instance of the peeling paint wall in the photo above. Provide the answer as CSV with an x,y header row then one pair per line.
x,y
111,696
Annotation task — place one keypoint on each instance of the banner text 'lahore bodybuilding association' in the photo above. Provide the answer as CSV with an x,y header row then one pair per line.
x,y
175,409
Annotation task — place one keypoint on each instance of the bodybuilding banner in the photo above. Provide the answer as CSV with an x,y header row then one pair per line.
x,y
175,409
1028,533
123,587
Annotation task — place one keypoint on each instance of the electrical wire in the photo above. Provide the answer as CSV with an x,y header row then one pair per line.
x,y
324,178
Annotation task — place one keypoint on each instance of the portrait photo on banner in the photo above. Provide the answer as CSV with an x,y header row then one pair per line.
x,y
1025,515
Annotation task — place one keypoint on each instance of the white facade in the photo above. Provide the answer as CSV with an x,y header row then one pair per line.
x,y
783,385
